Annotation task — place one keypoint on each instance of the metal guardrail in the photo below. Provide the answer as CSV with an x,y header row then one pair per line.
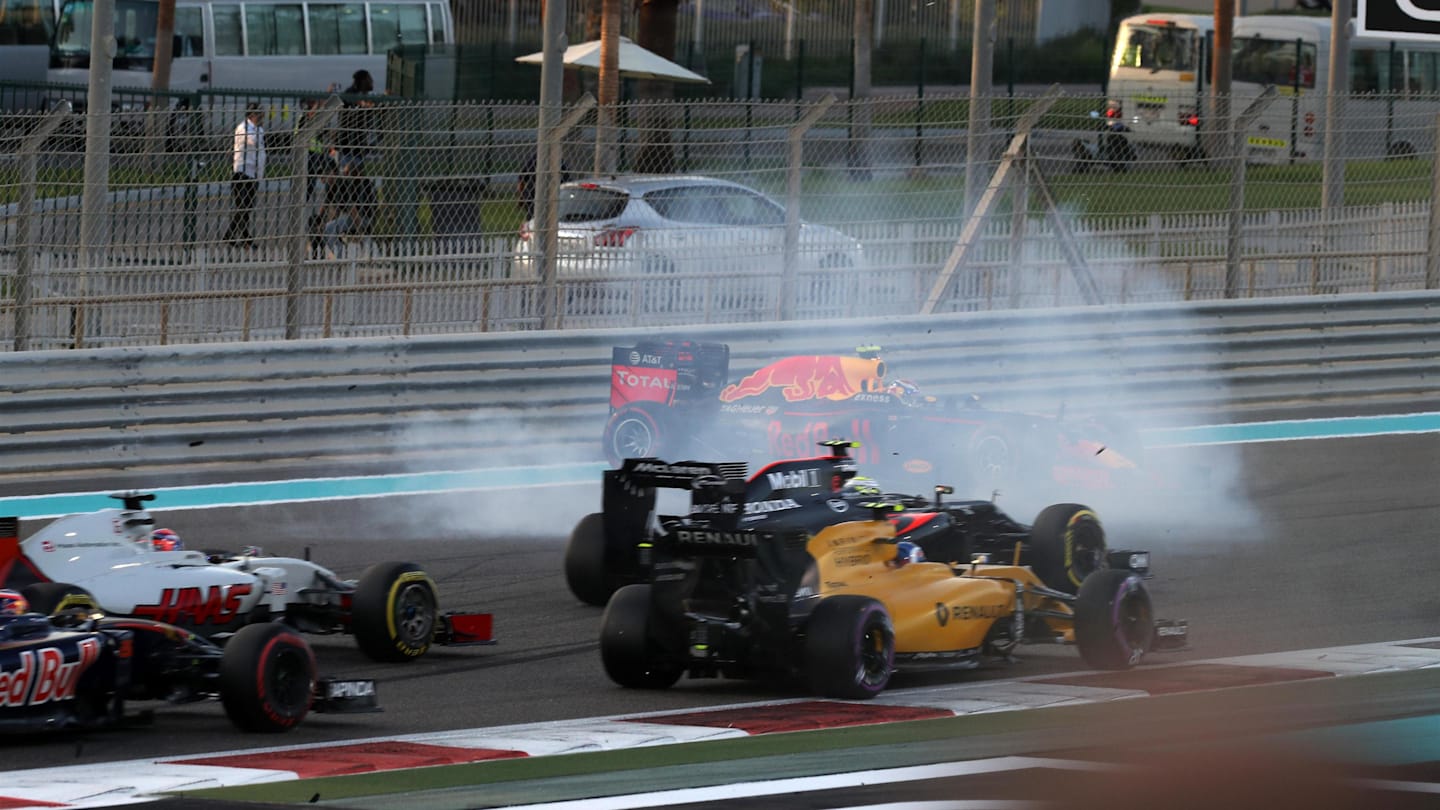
x,y
466,401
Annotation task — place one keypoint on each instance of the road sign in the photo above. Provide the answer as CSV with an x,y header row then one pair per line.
x,y
1399,19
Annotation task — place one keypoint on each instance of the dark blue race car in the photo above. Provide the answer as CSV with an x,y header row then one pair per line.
x,y
81,669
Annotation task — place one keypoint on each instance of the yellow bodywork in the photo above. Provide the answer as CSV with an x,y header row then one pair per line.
x,y
935,607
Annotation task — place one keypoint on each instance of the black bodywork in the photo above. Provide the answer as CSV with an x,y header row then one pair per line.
x,y
802,496
80,669
734,588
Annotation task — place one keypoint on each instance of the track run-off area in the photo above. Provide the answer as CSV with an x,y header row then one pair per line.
x,y
1308,535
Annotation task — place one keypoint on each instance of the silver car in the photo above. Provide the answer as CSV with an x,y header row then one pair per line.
x,y
648,224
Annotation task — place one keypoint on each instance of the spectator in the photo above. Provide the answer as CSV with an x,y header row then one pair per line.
x,y
354,132
350,203
249,170
319,162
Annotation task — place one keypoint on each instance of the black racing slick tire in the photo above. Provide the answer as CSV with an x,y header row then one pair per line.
x,y
267,678
1114,620
628,649
993,459
585,570
51,598
849,648
395,612
1067,544
633,431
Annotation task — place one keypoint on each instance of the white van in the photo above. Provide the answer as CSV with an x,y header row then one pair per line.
x,y
1157,77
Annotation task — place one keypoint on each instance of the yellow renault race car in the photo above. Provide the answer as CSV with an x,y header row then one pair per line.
x,y
845,605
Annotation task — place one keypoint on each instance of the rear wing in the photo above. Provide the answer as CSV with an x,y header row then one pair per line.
x,y
670,373
9,547
717,490
652,472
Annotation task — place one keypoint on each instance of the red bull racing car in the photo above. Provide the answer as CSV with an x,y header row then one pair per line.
x,y
613,547
673,399
842,605
116,558
80,669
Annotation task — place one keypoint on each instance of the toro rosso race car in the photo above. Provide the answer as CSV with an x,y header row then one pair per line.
x,y
844,605
115,557
613,547
78,668
673,399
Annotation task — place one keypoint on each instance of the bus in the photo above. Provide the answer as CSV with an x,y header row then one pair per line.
x,y
261,45
1157,77
1159,72
25,30
1394,91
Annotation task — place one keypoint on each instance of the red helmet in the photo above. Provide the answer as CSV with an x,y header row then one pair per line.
x,y
165,540
12,603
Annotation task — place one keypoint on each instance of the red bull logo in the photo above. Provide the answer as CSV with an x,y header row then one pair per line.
x,y
802,377
798,441
43,675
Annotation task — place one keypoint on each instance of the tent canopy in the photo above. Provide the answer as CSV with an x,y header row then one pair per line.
x,y
635,62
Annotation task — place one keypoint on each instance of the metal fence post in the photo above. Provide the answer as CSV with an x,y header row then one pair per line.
x,y
299,245
982,64
547,213
788,288
188,230
1432,247
1238,143
1019,218
25,256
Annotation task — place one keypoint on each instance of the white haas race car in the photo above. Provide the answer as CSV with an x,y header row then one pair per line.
x,y
107,559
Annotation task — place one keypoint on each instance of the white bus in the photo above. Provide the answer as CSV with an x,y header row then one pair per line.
x,y
251,44
1394,90
25,30
1157,76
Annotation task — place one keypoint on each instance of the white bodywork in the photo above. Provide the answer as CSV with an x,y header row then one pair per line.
x,y
109,554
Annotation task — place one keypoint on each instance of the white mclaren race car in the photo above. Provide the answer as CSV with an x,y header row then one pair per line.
x,y
115,559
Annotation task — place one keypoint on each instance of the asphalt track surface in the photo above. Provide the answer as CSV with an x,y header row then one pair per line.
x,y
1286,545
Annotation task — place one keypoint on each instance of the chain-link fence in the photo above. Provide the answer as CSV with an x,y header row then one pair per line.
x,y
413,218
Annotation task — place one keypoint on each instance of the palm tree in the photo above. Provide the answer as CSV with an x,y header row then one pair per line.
x,y
656,32
605,158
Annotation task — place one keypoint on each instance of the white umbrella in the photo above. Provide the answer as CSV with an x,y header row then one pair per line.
x,y
635,62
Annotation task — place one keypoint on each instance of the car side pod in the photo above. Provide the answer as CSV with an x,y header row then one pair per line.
x,y
465,629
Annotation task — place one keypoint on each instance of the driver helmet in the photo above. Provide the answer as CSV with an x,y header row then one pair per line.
x,y
907,392
12,603
861,486
165,540
907,552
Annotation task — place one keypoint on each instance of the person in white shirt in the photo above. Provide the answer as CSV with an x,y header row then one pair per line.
x,y
249,165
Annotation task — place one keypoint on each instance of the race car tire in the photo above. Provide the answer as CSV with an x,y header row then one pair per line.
x,y
628,649
992,458
585,571
267,678
849,648
1114,621
1067,544
395,612
52,598
633,431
